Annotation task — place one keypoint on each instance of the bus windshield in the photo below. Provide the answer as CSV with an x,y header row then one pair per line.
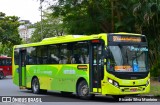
x,y
132,58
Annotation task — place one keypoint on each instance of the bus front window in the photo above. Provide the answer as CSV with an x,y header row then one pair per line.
x,y
127,58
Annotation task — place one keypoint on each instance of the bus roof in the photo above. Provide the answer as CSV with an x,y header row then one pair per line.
x,y
61,39
70,38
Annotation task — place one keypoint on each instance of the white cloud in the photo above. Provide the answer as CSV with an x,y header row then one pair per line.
x,y
25,9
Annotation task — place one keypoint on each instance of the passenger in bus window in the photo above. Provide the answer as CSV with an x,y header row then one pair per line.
x,y
54,59
63,60
76,59
84,59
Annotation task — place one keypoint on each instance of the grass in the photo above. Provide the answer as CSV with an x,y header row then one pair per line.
x,y
155,88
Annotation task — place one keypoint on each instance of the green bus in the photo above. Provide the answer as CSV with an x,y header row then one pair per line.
x,y
107,64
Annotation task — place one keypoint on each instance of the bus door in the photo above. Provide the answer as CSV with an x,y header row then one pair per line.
x,y
22,67
96,68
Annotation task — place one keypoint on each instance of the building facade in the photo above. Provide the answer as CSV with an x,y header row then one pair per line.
x,y
25,31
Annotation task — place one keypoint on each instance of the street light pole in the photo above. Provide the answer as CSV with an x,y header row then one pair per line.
x,y
41,19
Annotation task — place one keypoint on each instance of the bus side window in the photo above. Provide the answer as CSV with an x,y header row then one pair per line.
x,y
29,59
76,58
1,63
53,51
63,59
81,53
31,55
8,62
53,54
16,56
53,59
65,53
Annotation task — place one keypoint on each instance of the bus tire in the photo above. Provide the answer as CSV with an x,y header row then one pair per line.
x,y
83,90
1,75
35,86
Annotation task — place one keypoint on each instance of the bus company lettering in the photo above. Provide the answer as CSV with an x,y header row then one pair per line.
x,y
132,48
69,72
48,72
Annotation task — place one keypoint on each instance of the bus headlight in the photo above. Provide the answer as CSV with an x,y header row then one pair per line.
x,y
113,82
110,80
148,81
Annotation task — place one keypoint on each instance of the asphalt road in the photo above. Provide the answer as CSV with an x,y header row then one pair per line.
x,y
8,89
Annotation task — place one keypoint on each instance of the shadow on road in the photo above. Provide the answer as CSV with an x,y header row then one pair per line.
x,y
58,97
6,78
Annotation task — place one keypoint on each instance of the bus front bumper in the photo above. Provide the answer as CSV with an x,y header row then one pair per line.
x,y
110,89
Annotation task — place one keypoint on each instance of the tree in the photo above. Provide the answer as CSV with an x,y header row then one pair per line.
x,y
50,27
98,16
147,13
9,35
79,17
95,16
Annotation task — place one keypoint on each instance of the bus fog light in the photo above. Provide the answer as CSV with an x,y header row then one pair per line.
x,y
115,84
148,81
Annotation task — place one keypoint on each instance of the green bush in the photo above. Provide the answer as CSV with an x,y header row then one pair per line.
x,y
155,70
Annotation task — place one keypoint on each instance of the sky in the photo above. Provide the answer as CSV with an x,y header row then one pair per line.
x,y
25,9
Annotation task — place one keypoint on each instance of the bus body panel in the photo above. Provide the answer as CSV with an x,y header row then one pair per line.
x,y
63,77
5,65
126,87
15,75
56,77
7,70
109,89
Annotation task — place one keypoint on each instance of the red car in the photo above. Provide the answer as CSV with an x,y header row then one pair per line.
x,y
5,66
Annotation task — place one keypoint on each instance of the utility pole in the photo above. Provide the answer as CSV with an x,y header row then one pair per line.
x,y
41,1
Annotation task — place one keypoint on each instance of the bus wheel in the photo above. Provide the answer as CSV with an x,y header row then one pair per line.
x,y
1,75
83,90
35,86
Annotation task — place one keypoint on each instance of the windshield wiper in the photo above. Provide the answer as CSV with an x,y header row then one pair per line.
x,y
136,52
127,56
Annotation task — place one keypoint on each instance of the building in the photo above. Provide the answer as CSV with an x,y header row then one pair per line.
x,y
25,31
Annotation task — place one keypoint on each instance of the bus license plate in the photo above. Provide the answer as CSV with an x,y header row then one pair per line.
x,y
133,89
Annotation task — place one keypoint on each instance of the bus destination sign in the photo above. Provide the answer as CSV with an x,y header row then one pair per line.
x,y
126,39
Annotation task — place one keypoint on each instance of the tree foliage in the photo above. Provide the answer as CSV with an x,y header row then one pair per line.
x,y
98,16
48,27
9,35
147,13
95,16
